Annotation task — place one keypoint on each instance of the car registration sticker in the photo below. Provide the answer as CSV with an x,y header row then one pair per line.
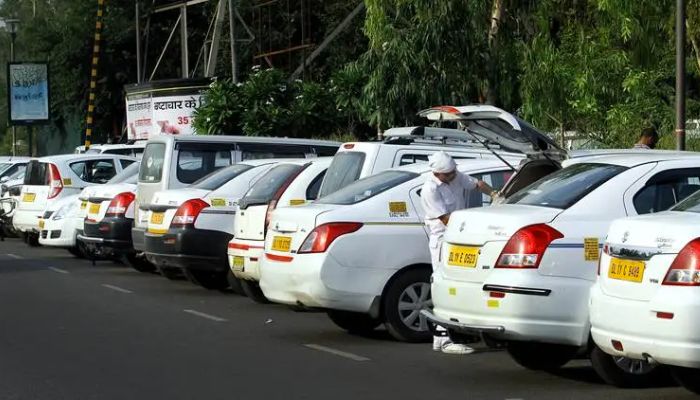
x,y
83,204
157,218
238,263
41,224
94,208
28,197
281,243
462,256
626,270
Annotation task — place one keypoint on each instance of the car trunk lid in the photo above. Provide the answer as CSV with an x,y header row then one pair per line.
x,y
290,226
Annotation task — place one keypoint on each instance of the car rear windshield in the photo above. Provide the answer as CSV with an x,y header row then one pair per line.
x,y
690,204
4,166
36,174
265,188
151,170
368,187
344,170
217,178
126,175
562,189
197,160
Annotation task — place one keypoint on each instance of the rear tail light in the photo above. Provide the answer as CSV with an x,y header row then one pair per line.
x,y
55,182
527,246
685,269
188,212
268,214
119,204
320,238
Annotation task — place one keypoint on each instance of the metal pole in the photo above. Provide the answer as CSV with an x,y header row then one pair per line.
x,y
183,42
680,74
232,39
13,35
138,42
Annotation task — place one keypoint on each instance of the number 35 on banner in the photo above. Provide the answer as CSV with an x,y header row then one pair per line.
x,y
184,120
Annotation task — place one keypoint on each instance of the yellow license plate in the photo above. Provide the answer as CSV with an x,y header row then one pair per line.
x,y
83,204
626,270
281,243
28,197
41,224
462,256
157,218
94,208
238,262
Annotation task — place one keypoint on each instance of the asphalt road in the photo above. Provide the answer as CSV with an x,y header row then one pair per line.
x,y
72,331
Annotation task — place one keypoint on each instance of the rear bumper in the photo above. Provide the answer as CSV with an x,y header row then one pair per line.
x,y
634,323
114,233
542,309
138,238
252,252
189,248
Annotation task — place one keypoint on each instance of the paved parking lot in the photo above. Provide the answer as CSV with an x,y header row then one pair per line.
x,y
73,331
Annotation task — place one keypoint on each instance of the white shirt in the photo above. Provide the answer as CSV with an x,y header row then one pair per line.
x,y
440,198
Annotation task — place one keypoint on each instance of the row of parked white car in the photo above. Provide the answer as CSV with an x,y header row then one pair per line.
x,y
278,220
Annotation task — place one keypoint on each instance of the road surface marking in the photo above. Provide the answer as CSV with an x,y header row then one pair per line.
x,y
117,288
340,353
60,271
15,256
204,315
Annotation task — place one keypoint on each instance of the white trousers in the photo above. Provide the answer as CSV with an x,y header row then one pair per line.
x,y
435,247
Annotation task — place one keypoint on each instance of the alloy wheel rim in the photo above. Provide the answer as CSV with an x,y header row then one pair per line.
x,y
413,299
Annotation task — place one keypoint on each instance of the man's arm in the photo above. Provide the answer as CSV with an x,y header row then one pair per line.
x,y
445,218
486,189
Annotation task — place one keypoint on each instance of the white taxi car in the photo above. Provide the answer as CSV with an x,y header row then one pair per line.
x,y
521,272
361,253
189,229
289,183
49,179
646,301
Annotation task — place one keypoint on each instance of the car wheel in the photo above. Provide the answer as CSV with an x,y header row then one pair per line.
x,y
174,274
689,378
624,372
541,356
403,301
234,283
31,239
353,322
252,290
140,263
212,280
76,251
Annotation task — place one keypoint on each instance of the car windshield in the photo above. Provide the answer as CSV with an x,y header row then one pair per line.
x,y
564,188
217,178
368,187
265,188
128,174
4,167
690,204
344,169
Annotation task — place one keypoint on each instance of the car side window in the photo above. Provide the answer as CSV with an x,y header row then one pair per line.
x,y
257,151
407,159
315,186
94,171
496,180
125,163
665,189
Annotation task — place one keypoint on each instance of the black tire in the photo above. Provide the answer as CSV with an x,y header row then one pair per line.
x,y
31,239
412,290
252,290
636,374
140,263
212,280
541,356
353,322
76,252
689,378
234,284
173,274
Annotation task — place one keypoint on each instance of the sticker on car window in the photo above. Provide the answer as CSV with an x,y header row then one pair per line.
x,y
218,202
67,181
591,249
297,202
398,209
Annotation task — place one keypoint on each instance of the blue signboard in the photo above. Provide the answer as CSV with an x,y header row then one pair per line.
x,y
28,93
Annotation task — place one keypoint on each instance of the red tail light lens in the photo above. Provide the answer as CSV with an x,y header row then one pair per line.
x,y
527,246
188,212
685,269
55,182
119,204
320,238
268,214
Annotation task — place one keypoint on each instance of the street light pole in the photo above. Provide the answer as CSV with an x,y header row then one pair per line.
x,y
680,74
12,28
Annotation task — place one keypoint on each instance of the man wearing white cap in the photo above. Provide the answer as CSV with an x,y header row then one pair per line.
x,y
446,191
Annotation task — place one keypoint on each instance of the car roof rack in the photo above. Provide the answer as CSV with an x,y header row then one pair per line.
x,y
428,135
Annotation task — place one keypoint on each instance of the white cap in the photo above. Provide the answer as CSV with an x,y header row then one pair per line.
x,y
441,162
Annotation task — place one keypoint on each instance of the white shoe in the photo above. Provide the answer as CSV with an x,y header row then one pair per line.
x,y
456,348
439,342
